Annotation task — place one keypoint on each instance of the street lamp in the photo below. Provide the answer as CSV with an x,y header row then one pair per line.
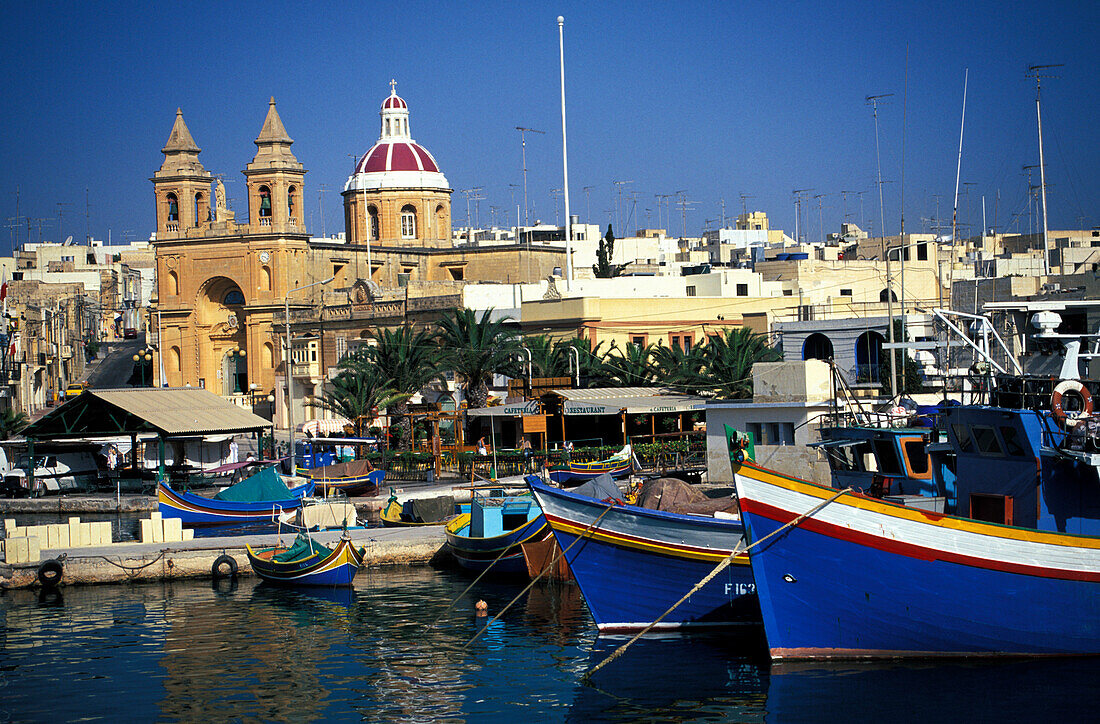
x,y
139,359
287,362
237,354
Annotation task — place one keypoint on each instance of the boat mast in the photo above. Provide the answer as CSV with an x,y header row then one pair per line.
x,y
1035,71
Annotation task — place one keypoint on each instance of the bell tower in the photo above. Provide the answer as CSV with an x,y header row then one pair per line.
x,y
275,179
181,185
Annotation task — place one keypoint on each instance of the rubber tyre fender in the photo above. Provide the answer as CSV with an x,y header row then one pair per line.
x,y
225,566
50,573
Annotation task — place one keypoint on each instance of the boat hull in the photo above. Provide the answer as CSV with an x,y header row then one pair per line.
x,y
635,563
478,554
337,569
577,473
862,578
350,486
198,510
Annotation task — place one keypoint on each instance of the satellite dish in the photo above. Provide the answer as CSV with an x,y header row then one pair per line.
x,y
68,240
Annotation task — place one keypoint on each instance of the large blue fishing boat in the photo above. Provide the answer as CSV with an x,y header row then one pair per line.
x,y
632,564
996,552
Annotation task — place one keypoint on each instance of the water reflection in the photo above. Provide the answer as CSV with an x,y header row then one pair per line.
x,y
387,651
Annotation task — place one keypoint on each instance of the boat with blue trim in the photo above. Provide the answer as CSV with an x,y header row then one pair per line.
x,y
259,498
494,530
997,554
308,563
633,563
618,465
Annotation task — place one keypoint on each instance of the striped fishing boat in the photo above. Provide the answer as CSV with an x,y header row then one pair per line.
x,y
272,498
865,578
493,532
633,563
356,477
574,473
308,563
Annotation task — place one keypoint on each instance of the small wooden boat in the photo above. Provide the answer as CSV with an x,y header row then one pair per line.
x,y
618,465
356,477
416,512
308,563
259,498
493,532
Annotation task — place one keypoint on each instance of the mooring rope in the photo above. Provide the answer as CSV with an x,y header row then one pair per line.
x,y
132,569
543,572
707,578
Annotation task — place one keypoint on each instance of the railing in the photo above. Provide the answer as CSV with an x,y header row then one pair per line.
x,y
265,221
172,226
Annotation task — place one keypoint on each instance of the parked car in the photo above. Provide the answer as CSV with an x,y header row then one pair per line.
x,y
53,473
129,333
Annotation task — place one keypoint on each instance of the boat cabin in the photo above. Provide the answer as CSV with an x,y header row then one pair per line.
x,y
884,461
494,515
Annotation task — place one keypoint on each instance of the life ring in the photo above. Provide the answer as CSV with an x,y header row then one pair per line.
x,y
50,573
1059,412
224,567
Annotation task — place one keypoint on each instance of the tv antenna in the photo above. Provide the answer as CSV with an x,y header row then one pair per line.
x,y
1038,72
618,203
873,101
523,131
799,195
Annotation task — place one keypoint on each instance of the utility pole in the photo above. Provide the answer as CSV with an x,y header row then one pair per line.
x,y
1036,72
523,131
873,101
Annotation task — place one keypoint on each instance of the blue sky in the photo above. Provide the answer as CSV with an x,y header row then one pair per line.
x,y
716,99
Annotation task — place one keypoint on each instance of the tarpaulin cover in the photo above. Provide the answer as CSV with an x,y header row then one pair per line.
x,y
600,488
350,469
303,547
428,510
676,496
263,486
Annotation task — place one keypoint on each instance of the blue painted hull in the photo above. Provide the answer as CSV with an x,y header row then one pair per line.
x,y
634,563
198,510
866,579
478,554
336,569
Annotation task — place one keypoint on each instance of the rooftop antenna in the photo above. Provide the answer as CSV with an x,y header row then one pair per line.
x,y
873,101
470,192
556,195
958,168
60,208
1030,196
844,203
683,202
744,206
588,204
523,131
321,189
1038,73
87,213
798,196
618,203
820,216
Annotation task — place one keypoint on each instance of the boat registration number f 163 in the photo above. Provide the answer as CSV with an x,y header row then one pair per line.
x,y
740,589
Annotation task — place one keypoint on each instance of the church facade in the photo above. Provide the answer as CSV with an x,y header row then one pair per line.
x,y
224,284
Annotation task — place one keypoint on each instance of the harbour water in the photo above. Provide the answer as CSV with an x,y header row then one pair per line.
x,y
388,651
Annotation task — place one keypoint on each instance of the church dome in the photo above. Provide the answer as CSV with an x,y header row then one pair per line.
x,y
396,160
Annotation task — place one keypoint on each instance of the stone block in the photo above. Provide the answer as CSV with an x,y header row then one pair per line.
x,y
158,529
62,536
9,527
34,549
52,535
74,532
188,533
104,528
74,520
15,549
154,516
146,531
173,530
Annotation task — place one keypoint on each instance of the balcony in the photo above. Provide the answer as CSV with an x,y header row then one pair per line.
x,y
172,226
265,221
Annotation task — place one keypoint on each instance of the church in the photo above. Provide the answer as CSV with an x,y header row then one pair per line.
x,y
225,285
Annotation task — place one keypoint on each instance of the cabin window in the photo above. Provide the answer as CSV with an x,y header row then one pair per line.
x,y
839,458
917,457
888,462
986,440
991,508
1012,440
962,438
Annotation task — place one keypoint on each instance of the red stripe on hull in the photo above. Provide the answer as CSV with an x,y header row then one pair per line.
x,y
910,550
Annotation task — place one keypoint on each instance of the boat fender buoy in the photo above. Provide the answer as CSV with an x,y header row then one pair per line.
x,y
1058,410
224,567
50,573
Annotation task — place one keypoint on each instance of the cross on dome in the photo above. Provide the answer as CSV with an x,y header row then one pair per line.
x,y
393,87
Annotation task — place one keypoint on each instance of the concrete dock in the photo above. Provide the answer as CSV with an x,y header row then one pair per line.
x,y
121,562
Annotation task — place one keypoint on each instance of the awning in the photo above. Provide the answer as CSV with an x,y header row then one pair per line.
x,y
320,428
512,409
633,400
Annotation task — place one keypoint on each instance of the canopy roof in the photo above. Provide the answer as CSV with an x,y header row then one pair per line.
x,y
633,400
179,411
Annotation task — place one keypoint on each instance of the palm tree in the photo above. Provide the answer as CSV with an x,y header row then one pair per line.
x,y
630,367
12,422
683,370
476,348
357,392
729,361
409,361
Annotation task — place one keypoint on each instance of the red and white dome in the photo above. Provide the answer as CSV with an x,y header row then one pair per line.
x,y
396,160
